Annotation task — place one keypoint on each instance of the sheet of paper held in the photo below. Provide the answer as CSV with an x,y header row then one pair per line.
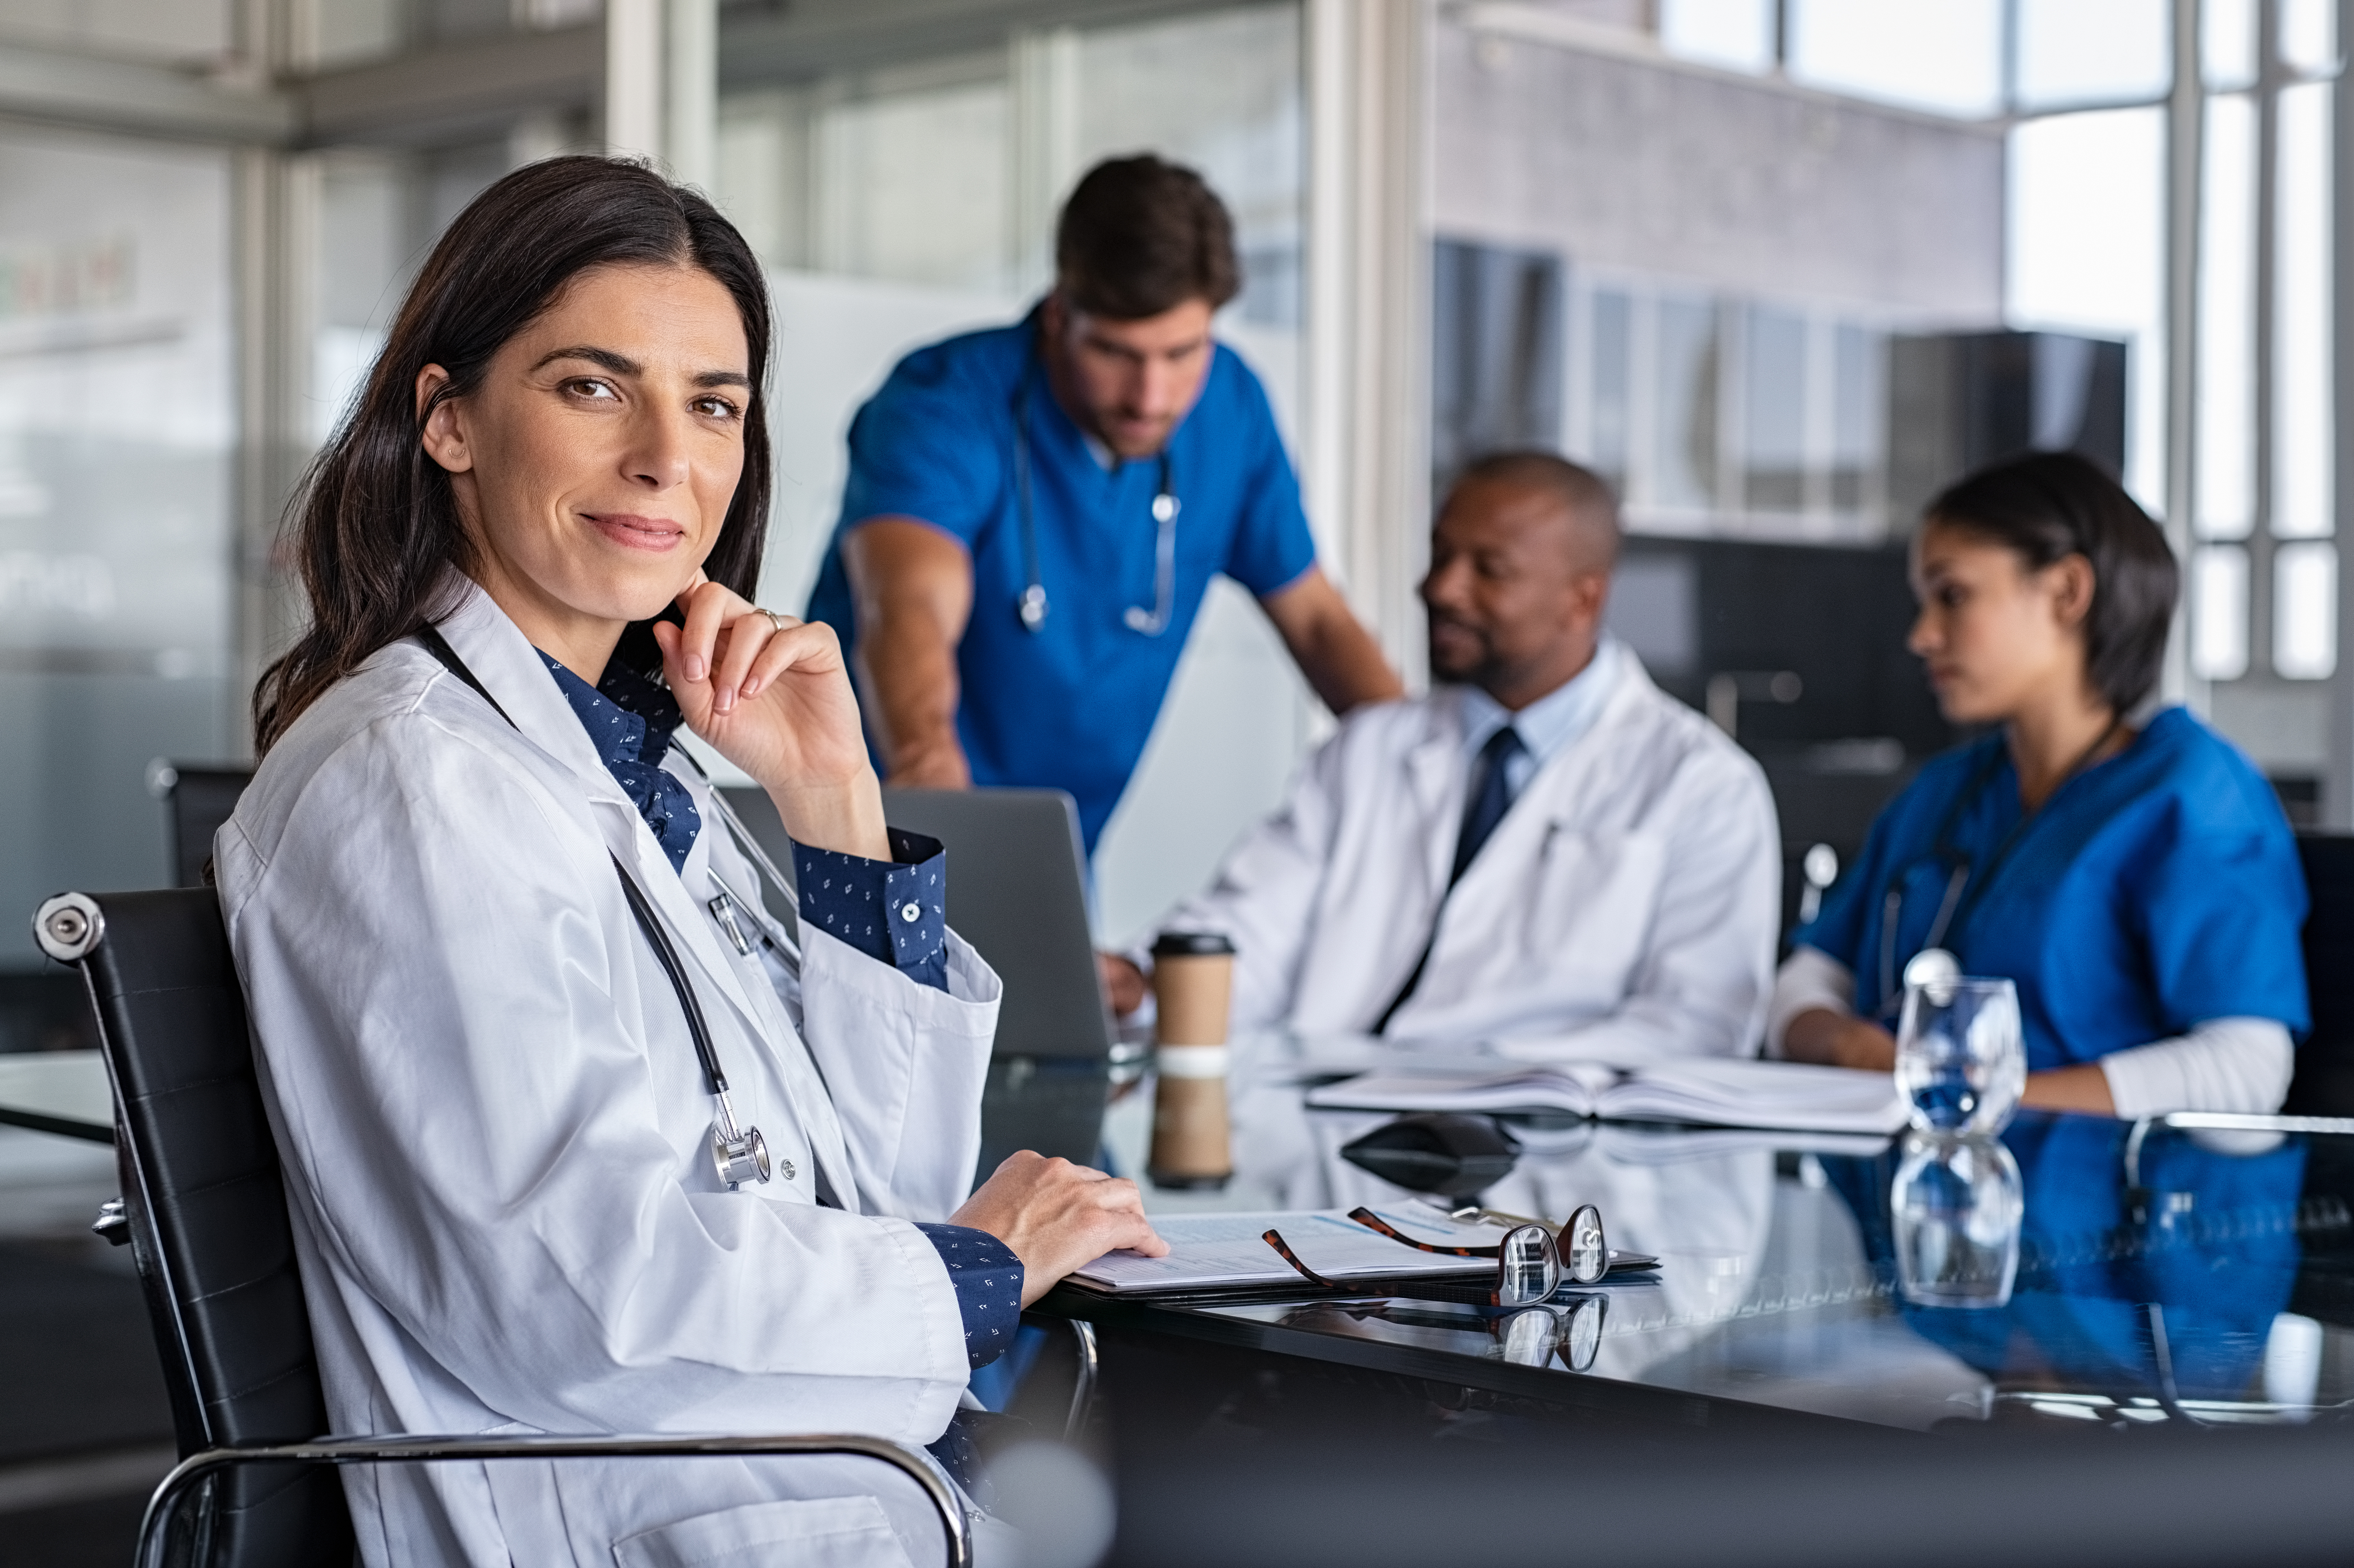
x,y
1207,1251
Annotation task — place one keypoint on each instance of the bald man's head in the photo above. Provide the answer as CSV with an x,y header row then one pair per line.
x,y
1519,570
1582,500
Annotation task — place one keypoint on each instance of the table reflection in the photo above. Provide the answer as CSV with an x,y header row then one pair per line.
x,y
2153,1268
1955,1209
1702,1205
2152,1264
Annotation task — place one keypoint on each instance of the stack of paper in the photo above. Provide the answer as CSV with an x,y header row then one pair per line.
x,y
1210,1252
1714,1091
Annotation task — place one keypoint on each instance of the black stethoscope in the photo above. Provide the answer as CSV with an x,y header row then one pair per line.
x,y
738,1153
1031,606
1965,883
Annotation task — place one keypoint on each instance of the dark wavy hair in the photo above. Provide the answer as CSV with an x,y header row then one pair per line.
x,y
1139,236
2050,505
375,526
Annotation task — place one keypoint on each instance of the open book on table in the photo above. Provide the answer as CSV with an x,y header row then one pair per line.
x,y
1715,1091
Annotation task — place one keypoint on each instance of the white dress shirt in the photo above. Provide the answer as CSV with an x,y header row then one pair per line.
x,y
1548,724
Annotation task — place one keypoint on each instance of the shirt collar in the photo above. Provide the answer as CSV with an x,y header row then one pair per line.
x,y
629,718
1550,723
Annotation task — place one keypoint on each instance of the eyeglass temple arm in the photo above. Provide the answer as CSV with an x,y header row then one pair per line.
x,y
1275,1239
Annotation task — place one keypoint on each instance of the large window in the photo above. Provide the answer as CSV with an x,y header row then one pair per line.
x,y
2265,593
2088,199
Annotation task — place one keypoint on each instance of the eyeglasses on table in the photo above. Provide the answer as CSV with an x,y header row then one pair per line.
x,y
1532,1260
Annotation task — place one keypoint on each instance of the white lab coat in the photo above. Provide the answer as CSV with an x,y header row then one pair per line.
x,y
494,1129
1625,908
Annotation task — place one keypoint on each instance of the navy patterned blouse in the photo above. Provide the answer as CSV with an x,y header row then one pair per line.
x,y
894,911
630,720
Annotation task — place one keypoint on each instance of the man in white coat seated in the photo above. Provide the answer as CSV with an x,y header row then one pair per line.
x,y
1546,852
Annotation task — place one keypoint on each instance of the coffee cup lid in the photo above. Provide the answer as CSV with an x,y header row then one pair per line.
x,y
1191,945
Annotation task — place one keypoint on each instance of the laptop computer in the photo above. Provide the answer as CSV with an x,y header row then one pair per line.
x,y
1017,892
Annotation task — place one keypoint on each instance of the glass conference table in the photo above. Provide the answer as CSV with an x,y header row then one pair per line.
x,y
2168,1273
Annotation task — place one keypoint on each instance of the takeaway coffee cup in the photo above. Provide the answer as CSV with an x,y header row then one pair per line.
x,y
1192,982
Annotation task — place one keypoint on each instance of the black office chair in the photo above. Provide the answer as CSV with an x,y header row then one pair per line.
x,y
205,1215
198,801
2324,1085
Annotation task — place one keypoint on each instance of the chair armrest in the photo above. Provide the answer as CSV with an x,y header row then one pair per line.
x,y
1088,1365
408,1447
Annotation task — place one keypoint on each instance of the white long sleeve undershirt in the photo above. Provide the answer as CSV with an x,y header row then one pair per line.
x,y
2232,1065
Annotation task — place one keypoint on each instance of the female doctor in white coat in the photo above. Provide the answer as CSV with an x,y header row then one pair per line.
x,y
473,894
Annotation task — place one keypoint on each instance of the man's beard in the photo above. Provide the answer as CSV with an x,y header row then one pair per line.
x,y
1138,451
1480,670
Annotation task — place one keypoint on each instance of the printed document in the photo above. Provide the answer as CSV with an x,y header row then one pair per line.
x,y
1211,1251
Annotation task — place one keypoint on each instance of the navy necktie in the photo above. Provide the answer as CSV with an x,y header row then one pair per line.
x,y
1495,797
1486,808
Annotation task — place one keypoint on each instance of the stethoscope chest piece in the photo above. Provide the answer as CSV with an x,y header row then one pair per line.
x,y
739,1156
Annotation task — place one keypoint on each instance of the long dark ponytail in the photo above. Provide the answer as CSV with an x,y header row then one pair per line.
x,y
375,526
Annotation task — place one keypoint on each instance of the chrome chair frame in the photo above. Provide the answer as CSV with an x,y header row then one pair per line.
x,y
196,1469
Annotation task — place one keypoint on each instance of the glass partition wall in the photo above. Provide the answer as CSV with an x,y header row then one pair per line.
x,y
903,200
896,202
118,427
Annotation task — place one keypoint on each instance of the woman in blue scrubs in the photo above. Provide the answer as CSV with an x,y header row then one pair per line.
x,y
2138,881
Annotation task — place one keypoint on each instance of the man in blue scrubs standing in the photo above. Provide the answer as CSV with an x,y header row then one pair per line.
x,y
1033,514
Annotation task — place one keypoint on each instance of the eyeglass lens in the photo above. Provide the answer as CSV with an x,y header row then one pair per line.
x,y
1585,1254
1526,1268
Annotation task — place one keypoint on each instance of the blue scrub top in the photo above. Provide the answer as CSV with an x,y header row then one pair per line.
x,y
2152,894
1071,705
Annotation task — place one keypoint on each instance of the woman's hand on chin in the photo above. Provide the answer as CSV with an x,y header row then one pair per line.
x,y
776,701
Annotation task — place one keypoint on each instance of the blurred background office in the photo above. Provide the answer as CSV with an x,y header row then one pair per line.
x,y
1778,268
